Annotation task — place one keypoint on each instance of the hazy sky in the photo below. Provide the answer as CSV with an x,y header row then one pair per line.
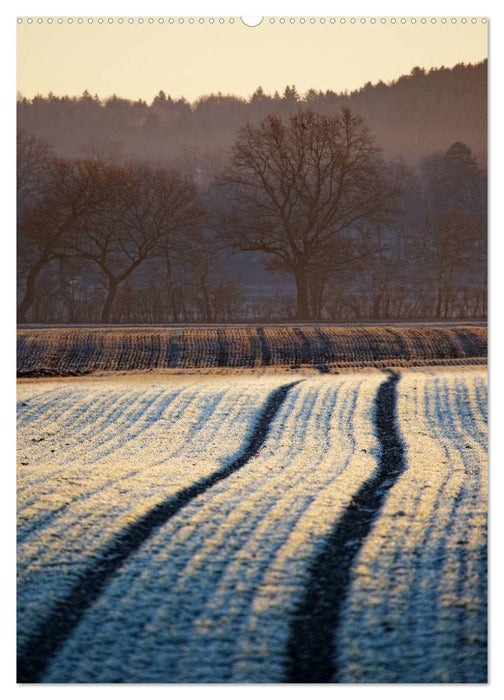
x,y
190,60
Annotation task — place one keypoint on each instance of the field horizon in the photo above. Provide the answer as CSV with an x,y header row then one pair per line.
x,y
76,350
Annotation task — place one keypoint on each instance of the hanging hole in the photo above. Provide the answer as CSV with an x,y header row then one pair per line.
x,y
251,21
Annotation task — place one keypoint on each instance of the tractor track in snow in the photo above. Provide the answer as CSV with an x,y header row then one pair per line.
x,y
41,647
311,657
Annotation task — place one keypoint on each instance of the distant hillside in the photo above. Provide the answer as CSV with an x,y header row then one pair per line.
x,y
412,117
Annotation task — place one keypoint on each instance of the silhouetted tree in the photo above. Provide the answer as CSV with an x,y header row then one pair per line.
x,y
452,239
33,156
70,189
144,209
299,189
105,149
448,246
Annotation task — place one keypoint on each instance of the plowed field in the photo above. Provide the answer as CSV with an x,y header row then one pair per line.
x,y
73,351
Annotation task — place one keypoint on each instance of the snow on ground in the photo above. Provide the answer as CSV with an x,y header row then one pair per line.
x,y
209,596
94,457
224,572
419,584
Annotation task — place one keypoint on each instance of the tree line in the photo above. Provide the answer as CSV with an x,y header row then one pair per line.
x,y
420,112
111,239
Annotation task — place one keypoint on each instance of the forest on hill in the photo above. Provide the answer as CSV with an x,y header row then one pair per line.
x,y
411,117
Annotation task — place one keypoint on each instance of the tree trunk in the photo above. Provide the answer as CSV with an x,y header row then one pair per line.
x,y
206,300
109,301
439,302
303,311
448,294
375,311
171,287
386,308
29,296
316,298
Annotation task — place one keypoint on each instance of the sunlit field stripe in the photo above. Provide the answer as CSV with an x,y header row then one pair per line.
x,y
75,417
33,404
47,473
476,418
417,608
123,490
70,407
191,433
144,410
224,571
80,481
76,446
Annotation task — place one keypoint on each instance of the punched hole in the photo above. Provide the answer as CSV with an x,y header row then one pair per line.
x,y
251,21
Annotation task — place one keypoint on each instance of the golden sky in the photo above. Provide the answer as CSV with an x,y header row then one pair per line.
x,y
190,60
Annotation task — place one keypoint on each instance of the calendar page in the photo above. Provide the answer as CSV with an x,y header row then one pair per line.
x,y
252,349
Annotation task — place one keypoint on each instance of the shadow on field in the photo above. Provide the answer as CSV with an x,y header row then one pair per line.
x,y
312,657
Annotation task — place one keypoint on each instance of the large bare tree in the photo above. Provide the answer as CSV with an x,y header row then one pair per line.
x,y
144,211
296,191
451,241
33,156
67,190
449,245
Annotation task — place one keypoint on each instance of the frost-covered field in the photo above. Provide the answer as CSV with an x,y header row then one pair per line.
x,y
269,528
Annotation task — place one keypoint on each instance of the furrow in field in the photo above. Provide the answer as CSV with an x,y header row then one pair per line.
x,y
81,509
417,605
473,411
41,401
207,597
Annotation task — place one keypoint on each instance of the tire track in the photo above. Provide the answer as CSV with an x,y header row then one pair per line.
x,y
415,611
193,618
311,657
51,560
42,646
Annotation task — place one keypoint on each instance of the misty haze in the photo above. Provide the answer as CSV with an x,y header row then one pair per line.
x,y
418,252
